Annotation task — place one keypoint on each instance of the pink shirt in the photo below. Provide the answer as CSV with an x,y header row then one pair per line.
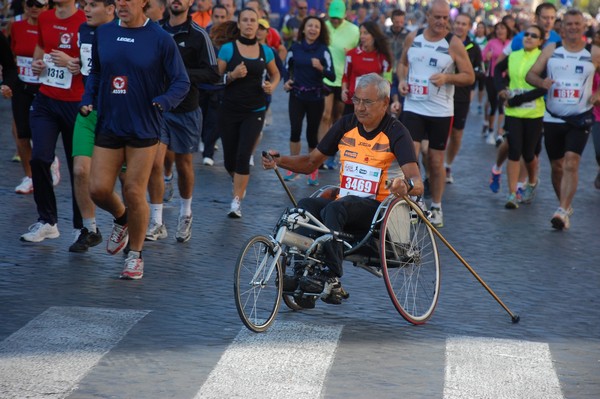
x,y
495,48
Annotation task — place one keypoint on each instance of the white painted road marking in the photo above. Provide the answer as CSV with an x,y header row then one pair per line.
x,y
499,369
53,352
290,360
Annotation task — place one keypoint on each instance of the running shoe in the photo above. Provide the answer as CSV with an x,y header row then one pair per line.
x,y
208,161
184,228
85,240
156,231
168,194
560,219
289,175
484,131
16,158
519,194
449,176
55,171
499,140
330,163
335,292
490,139
134,268
529,193
437,217
40,231
511,201
235,211
119,237
597,181
251,162
313,178
495,181
479,111
25,187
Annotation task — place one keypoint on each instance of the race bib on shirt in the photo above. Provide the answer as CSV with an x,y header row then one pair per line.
x,y
85,53
360,180
567,92
418,88
25,72
55,76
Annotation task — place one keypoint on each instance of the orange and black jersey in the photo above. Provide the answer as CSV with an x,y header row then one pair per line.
x,y
366,157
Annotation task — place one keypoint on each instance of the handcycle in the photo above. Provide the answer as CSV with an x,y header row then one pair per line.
x,y
399,246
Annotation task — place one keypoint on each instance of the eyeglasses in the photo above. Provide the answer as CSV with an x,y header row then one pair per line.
x,y
364,101
302,8
531,35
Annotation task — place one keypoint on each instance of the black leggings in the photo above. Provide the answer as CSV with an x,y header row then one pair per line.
x,y
492,94
349,213
523,137
314,111
239,132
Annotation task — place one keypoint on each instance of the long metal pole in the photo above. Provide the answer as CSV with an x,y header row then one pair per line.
x,y
515,318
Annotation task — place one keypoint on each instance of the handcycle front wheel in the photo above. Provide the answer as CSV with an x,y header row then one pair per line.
x,y
257,290
410,262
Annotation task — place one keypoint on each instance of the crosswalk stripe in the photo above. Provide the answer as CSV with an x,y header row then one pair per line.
x,y
290,360
53,352
499,369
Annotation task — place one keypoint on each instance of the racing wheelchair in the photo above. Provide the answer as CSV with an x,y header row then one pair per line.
x,y
399,246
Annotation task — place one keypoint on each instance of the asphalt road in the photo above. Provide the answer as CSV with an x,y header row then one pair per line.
x,y
70,328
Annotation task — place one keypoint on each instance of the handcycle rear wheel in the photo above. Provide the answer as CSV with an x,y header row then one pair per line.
x,y
257,295
410,262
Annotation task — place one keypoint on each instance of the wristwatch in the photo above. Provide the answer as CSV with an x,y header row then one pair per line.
x,y
409,185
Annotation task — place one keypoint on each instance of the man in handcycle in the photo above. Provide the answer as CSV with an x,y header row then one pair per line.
x,y
368,141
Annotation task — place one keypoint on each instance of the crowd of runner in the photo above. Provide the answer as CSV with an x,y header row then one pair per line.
x,y
135,87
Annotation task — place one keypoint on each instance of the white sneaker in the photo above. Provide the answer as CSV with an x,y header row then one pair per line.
x,y
251,160
26,186
490,139
208,161
184,228
55,171
236,208
40,231
437,217
156,232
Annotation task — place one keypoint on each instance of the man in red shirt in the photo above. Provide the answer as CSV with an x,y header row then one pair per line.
x,y
55,61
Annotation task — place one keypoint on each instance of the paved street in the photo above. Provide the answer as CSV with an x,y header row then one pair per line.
x,y
70,328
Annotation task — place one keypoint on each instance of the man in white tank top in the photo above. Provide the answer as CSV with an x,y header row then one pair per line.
x,y
570,68
432,63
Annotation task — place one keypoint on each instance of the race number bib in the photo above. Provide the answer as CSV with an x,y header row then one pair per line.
x,y
360,180
55,76
567,92
85,53
25,72
418,88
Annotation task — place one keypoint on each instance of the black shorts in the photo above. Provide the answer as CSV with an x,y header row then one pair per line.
x,y
436,129
335,90
461,110
114,142
562,137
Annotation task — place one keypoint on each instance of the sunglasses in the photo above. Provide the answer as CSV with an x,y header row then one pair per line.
x,y
34,3
531,35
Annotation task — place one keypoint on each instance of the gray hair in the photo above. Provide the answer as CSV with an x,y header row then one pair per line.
x,y
382,85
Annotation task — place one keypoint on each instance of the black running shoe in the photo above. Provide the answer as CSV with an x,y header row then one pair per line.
x,y
86,240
